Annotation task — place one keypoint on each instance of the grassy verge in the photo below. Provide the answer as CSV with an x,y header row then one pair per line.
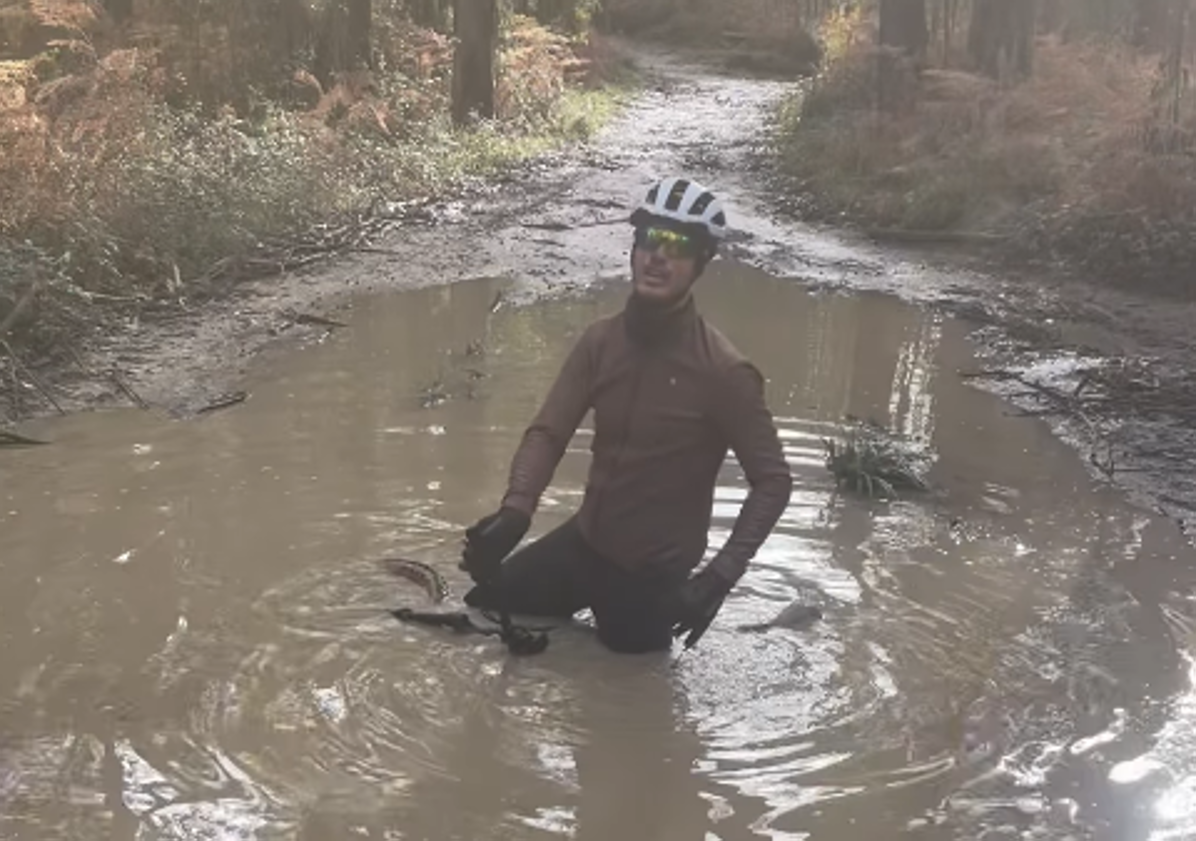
x,y
110,196
1067,167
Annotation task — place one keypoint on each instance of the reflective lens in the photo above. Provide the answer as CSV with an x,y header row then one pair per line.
x,y
674,245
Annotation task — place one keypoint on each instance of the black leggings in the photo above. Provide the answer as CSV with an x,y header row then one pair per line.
x,y
559,575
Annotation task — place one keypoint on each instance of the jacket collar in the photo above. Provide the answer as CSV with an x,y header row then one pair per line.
x,y
650,326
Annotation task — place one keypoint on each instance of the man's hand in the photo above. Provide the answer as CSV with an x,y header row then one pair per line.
x,y
698,601
490,540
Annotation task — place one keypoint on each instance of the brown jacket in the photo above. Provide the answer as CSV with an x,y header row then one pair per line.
x,y
666,410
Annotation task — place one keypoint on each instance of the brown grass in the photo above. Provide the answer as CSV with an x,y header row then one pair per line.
x,y
112,191
1061,162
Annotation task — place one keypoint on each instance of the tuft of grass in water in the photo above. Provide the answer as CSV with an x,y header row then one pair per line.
x,y
870,463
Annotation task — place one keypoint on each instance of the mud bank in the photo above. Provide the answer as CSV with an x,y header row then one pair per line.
x,y
557,224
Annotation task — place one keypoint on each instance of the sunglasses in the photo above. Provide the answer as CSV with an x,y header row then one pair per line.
x,y
674,245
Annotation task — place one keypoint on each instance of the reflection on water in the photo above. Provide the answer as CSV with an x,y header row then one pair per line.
x,y
195,641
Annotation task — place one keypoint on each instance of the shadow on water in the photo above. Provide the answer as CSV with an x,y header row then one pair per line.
x,y
194,640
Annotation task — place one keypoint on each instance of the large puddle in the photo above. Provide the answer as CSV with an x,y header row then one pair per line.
x,y
194,637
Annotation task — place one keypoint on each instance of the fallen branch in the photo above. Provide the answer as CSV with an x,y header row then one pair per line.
x,y
1033,413
16,387
565,226
112,375
372,249
223,402
12,439
126,390
500,298
20,366
930,237
317,320
1067,405
22,305
279,256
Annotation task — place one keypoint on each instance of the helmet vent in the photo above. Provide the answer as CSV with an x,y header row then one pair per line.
x,y
680,186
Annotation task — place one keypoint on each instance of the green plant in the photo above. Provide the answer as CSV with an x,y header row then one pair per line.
x,y
869,463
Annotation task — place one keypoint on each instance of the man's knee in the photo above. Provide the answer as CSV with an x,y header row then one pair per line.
x,y
527,595
546,578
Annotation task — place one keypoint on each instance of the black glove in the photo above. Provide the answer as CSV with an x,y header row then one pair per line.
x,y
698,601
491,539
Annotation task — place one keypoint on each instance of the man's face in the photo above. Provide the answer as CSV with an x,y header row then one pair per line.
x,y
664,264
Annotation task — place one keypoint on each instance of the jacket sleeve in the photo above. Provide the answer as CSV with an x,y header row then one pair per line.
x,y
546,437
742,413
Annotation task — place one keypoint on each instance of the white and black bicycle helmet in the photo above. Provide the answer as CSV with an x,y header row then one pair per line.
x,y
686,202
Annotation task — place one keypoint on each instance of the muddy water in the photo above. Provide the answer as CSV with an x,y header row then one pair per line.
x,y
194,640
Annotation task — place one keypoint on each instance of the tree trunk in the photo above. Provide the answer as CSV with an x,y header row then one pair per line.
x,y
950,24
1001,37
344,39
119,10
1151,24
359,23
296,26
1176,71
903,26
475,25
430,13
1051,16
549,11
904,36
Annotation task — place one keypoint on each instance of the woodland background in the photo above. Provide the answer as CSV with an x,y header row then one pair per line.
x,y
150,144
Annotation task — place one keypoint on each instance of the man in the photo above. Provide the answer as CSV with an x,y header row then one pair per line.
x,y
670,396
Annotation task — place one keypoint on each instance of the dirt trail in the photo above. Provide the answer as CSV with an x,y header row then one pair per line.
x,y
558,223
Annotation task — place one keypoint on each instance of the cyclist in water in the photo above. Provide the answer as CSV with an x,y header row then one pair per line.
x,y
670,395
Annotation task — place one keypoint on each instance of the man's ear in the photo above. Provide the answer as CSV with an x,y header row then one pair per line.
x,y
704,260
